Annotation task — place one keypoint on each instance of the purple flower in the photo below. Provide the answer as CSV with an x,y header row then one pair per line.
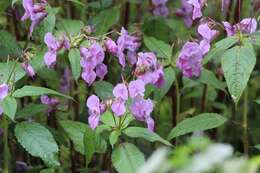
x,y
159,2
92,63
126,43
160,8
189,60
197,6
118,107
27,67
149,70
225,5
141,110
120,91
136,88
49,101
186,12
246,26
65,81
96,108
207,36
111,46
35,11
54,46
3,91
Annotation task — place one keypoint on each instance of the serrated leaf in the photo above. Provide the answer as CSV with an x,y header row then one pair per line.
x,y
9,106
76,131
70,26
238,63
74,58
8,45
113,137
36,91
219,48
127,158
138,132
200,122
105,20
31,110
169,77
38,141
162,49
209,78
103,89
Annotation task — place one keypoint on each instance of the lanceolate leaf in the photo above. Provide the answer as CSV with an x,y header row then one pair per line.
x,y
74,58
162,49
127,158
9,105
38,141
219,48
138,132
200,122
238,64
36,91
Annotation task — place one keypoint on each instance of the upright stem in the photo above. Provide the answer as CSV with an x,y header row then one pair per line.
x,y
245,123
178,98
6,147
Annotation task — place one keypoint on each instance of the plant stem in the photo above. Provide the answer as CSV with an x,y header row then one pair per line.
x,y
178,100
6,147
245,123
204,98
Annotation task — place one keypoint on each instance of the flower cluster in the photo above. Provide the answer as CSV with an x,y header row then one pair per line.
x,y
160,8
246,26
149,70
3,93
54,45
35,11
191,10
191,55
125,48
92,63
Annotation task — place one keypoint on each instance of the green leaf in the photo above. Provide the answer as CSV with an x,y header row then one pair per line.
x,y
38,141
103,89
74,58
31,110
6,71
169,76
47,171
9,106
238,63
209,78
36,91
257,146
70,26
105,20
89,144
162,49
219,48
113,137
138,132
8,45
257,101
127,158
255,38
76,131
200,122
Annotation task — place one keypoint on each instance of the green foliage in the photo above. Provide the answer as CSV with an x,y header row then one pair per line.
x,y
238,64
200,122
162,49
69,26
127,158
36,91
9,105
103,89
38,141
74,58
30,110
8,45
11,71
138,132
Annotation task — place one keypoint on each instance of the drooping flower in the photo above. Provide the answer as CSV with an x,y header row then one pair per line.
x,y
189,60
51,102
92,63
190,10
207,35
96,108
54,46
128,43
3,93
35,11
120,92
245,26
149,70
111,46
161,10
27,67
141,110
136,88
